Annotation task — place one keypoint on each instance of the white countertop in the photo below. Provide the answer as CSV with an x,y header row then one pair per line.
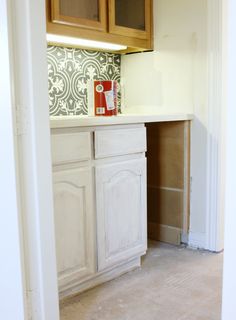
x,y
86,121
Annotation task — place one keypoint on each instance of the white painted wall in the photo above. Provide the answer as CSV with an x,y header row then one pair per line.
x,y
173,79
170,79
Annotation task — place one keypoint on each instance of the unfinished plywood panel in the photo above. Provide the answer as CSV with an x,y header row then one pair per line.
x,y
165,207
166,233
168,180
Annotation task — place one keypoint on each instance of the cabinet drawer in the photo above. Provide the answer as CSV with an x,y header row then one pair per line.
x,y
117,142
71,147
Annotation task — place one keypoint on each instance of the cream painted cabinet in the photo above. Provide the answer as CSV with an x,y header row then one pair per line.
x,y
74,224
121,211
99,203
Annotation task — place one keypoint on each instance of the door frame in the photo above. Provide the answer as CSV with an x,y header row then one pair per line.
x,y
215,178
28,54
12,295
26,33
229,98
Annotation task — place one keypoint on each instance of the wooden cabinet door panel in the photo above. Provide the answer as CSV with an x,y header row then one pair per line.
x,y
121,211
131,18
74,224
89,14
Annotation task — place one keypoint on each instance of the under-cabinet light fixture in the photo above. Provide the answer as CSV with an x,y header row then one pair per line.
x,y
56,39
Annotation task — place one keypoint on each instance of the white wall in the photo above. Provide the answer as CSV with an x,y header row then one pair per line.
x,y
173,79
166,79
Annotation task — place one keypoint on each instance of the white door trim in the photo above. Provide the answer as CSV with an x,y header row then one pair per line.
x,y
229,68
12,293
216,120
29,62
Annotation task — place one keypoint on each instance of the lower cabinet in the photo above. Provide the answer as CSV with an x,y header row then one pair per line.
x,y
74,224
99,204
121,211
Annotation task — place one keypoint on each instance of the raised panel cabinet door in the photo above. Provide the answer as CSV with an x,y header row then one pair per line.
x,y
89,14
121,211
132,18
74,224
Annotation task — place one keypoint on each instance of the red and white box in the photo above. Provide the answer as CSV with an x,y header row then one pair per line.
x,y
102,98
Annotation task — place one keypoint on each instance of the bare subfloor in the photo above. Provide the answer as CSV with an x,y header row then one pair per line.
x,y
174,283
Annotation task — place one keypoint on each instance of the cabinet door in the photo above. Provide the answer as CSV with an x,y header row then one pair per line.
x,y
89,14
130,18
121,211
74,224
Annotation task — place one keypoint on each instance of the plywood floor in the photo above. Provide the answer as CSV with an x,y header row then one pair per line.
x,y
174,283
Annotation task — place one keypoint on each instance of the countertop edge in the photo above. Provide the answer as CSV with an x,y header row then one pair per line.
x,y
86,121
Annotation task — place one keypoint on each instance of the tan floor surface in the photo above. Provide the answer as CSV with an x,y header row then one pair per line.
x,y
174,283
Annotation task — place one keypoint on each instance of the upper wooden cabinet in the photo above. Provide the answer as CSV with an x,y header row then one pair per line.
x,y
91,14
122,22
132,17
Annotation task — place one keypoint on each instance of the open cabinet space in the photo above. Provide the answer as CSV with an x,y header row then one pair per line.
x,y
168,181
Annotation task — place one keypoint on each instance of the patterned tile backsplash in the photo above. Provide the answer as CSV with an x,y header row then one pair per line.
x,y
68,73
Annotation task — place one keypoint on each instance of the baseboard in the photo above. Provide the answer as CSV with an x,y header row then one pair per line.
x,y
99,278
197,240
184,238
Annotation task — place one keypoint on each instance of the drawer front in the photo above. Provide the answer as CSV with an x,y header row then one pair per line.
x,y
117,142
71,147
